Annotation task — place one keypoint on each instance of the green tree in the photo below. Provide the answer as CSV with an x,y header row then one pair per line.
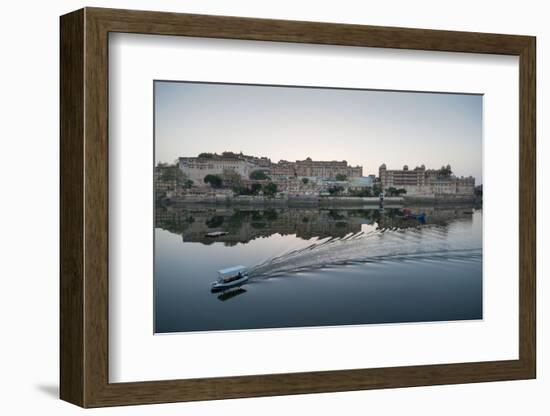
x,y
258,175
445,171
188,183
240,190
169,173
231,178
391,191
206,155
255,188
214,180
244,190
376,189
335,190
341,177
270,189
363,192
305,181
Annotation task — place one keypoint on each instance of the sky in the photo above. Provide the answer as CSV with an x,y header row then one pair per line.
x,y
363,127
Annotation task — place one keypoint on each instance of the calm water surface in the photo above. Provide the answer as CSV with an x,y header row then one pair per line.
x,y
314,267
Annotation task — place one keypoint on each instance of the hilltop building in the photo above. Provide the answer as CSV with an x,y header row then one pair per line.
x,y
319,169
425,182
327,169
318,177
196,168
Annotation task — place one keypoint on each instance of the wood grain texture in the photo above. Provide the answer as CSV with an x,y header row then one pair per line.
x,y
71,208
527,207
96,220
84,205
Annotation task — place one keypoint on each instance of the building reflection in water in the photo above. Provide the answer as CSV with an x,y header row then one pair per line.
x,y
244,224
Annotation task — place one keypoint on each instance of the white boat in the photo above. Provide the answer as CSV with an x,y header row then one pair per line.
x,y
216,234
230,277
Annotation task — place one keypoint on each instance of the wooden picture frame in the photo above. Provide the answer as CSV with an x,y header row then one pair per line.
x,y
84,207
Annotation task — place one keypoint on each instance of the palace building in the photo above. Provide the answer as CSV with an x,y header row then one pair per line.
x,y
426,182
327,169
196,168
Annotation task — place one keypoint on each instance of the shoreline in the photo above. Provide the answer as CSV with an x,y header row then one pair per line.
x,y
389,202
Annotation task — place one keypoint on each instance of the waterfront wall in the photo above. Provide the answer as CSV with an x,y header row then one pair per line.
x,y
439,198
326,201
298,201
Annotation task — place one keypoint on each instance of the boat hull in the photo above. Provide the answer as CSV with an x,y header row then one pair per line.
x,y
219,287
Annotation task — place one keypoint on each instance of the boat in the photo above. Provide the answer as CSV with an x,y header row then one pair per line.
x,y
216,234
230,277
409,215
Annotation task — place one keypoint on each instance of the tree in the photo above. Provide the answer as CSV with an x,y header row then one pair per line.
x,y
206,155
391,191
258,175
169,173
376,189
255,188
305,181
231,178
214,180
335,190
270,189
188,183
240,190
341,177
445,171
363,192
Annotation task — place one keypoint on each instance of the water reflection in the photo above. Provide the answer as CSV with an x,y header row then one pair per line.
x,y
317,266
242,225
231,293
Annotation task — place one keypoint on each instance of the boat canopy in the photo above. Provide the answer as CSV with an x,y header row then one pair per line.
x,y
231,271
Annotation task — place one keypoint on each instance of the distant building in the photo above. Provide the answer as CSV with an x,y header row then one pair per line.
x,y
164,184
196,168
282,170
327,169
362,182
425,182
309,168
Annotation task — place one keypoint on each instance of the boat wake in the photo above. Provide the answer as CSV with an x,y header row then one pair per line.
x,y
428,242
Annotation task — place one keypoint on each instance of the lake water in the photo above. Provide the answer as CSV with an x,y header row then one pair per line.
x,y
315,267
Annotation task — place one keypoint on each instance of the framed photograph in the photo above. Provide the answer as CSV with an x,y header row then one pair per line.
x,y
255,207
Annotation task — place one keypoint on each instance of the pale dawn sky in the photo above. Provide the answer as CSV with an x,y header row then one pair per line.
x,y
364,127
